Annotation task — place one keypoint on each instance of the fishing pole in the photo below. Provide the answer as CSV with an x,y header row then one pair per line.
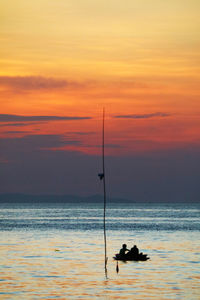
x,y
102,176
104,187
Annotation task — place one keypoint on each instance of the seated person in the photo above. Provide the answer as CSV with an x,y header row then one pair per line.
x,y
123,251
134,252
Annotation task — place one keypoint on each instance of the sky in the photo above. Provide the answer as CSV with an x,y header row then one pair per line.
x,y
62,61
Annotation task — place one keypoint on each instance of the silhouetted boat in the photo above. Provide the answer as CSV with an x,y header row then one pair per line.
x,y
140,257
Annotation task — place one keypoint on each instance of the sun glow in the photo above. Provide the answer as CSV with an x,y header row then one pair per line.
x,y
72,58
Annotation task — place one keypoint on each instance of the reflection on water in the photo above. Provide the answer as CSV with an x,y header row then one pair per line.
x,y
52,256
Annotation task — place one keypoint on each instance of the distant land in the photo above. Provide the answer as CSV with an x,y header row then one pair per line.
x,y
28,198
23,198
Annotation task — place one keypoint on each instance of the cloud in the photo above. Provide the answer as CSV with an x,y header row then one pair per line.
x,y
25,83
143,116
20,118
80,133
110,146
15,131
15,124
30,143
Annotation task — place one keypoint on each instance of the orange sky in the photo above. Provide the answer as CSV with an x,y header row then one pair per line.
x,y
137,58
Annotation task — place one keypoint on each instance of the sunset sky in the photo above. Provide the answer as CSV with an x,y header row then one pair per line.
x,y
62,61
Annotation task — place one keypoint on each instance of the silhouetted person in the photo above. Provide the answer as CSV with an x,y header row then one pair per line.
x,y
134,252
123,251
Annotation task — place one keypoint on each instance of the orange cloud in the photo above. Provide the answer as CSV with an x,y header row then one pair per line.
x,y
30,83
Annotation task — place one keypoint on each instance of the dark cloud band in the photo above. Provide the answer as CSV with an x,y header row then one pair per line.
x,y
19,118
29,143
144,116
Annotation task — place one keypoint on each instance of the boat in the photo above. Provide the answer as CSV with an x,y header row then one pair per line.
x,y
139,257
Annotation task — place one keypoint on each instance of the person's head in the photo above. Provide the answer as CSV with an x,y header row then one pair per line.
x,y
124,246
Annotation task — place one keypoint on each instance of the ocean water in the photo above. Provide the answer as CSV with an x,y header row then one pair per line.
x,y
56,251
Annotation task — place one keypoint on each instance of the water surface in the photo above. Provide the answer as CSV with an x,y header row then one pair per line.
x,y
55,251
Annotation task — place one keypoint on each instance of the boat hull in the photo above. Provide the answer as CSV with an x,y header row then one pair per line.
x,y
140,257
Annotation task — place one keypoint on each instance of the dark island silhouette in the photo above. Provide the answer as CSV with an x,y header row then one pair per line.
x,y
29,198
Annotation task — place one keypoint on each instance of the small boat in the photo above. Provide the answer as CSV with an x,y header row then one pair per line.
x,y
139,257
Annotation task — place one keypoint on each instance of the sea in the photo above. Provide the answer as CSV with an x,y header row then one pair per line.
x,y
56,251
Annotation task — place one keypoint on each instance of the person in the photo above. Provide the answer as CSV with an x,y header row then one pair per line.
x,y
123,251
134,252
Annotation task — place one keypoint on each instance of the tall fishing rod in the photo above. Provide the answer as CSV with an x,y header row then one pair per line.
x,y
102,176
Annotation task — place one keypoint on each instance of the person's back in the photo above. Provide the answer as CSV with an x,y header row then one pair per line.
x,y
134,251
123,251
